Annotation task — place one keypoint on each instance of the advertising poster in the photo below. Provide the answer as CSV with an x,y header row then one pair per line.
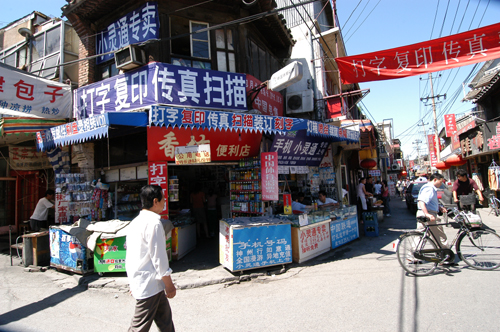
x,y
344,231
67,251
269,171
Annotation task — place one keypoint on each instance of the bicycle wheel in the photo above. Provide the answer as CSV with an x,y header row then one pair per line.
x,y
480,249
495,207
406,248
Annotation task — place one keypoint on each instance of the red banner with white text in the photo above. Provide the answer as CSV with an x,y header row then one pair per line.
x,y
458,50
450,124
432,149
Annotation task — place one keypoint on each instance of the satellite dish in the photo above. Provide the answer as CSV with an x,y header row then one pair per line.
x,y
25,32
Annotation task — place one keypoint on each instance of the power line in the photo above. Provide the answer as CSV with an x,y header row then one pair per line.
x,y
363,21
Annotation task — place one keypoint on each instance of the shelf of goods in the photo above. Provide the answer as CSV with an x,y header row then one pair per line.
x,y
75,198
246,190
253,242
127,204
173,189
68,253
183,235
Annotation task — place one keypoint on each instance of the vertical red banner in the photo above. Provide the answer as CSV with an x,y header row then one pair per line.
x,y
287,203
431,142
450,124
269,171
158,175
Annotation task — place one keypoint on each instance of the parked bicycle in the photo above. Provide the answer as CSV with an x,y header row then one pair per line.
x,y
419,253
494,204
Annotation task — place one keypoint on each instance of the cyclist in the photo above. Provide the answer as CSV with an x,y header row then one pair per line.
x,y
465,186
428,206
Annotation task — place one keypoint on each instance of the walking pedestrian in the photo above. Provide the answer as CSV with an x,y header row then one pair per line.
x,y
386,198
147,265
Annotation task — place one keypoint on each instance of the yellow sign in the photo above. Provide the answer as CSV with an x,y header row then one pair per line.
x,y
194,154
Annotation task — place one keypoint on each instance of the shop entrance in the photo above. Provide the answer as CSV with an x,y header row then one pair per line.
x,y
196,245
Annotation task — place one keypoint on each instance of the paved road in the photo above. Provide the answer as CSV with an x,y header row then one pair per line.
x,y
358,287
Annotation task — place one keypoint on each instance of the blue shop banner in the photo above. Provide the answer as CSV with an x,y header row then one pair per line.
x,y
66,251
297,149
138,26
205,119
344,231
162,83
261,246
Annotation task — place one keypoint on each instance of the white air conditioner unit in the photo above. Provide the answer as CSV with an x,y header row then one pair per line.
x,y
299,102
395,167
130,57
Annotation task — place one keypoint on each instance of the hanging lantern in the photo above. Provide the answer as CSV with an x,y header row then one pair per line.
x,y
403,173
368,163
442,165
455,160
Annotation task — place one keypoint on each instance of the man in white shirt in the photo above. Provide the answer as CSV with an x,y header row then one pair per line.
x,y
324,201
147,265
39,217
297,204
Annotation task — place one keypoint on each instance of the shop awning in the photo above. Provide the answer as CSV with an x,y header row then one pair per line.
x,y
92,127
206,119
16,125
364,125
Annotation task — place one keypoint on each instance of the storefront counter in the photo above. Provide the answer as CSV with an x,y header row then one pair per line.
x,y
254,242
310,241
344,226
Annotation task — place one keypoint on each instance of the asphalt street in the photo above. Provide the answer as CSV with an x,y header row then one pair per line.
x,y
357,287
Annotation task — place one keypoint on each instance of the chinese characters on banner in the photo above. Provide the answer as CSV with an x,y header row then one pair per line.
x,y
267,102
450,124
494,141
162,83
195,154
269,171
137,26
314,239
224,145
458,50
432,149
411,164
298,149
158,176
455,138
255,246
344,231
62,208
26,95
27,158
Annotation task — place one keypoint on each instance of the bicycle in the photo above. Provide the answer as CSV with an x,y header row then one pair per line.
x,y
479,248
494,204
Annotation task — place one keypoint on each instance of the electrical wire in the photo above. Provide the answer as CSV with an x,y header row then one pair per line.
x,y
434,23
456,12
473,16
347,32
363,21
351,14
444,19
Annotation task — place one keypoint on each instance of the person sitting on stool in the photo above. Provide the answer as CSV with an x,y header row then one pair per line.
x,y
465,186
39,217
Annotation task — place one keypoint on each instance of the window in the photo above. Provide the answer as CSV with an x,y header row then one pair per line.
x,y
261,63
190,49
224,43
108,70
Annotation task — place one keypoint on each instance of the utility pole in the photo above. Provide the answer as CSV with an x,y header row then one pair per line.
x,y
436,137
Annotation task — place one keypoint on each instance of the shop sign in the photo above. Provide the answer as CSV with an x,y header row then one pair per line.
x,y
267,102
431,142
269,171
287,203
224,145
298,149
455,139
137,26
22,94
162,83
27,158
473,142
450,124
344,231
492,135
182,117
158,176
195,154
62,208
374,172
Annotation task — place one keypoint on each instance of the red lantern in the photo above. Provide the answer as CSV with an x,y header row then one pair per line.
x,y
368,163
403,173
455,160
442,165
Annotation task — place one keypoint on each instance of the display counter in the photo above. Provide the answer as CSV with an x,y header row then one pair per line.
x,y
254,242
344,225
183,235
310,241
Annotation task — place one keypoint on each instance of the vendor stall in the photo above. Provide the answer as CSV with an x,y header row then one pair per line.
x,y
254,242
68,253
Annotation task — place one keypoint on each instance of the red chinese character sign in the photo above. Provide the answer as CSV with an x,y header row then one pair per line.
x,y
158,176
269,171
26,95
450,124
453,51
267,102
432,149
224,145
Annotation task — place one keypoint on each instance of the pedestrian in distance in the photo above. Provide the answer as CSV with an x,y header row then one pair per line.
x,y
148,270
198,201
39,217
386,198
465,186
377,188
369,185
362,194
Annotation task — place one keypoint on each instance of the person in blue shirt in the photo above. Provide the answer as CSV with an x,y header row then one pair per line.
x,y
297,203
428,206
